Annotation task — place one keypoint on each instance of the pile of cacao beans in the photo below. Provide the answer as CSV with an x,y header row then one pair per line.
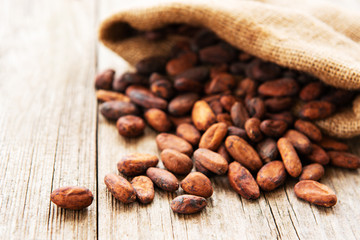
x,y
222,111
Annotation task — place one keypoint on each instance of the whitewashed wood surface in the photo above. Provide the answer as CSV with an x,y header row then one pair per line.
x,y
51,135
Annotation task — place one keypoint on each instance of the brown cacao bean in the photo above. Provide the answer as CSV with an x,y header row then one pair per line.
x,y
262,71
271,175
187,85
199,74
113,110
105,79
182,104
136,163
216,107
316,110
72,197
176,121
239,114
188,204
224,153
279,88
180,64
278,104
242,181
202,115
267,150
158,120
144,189
120,188
289,156
162,88
151,64
312,171
225,118
211,160
284,116
197,184
220,83
220,53
189,133
213,136
130,126
243,152
176,162
344,160
252,128
300,142
120,84
311,91
273,128
318,155
145,98
163,179
166,140
309,129
330,144
106,96
237,132
316,193
227,101
256,107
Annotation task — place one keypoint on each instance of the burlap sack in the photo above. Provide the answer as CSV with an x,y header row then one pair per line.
x,y
314,37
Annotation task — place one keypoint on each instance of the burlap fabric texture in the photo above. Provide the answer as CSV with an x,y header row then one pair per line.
x,y
312,37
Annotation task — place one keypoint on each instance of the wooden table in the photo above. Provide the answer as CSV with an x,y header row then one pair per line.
x,y
51,135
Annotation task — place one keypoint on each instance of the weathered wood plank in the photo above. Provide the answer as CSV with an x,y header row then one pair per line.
x,y
47,118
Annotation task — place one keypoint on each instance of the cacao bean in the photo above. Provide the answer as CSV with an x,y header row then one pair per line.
x,y
197,184
316,193
72,197
188,204
120,188
163,179
144,189
242,181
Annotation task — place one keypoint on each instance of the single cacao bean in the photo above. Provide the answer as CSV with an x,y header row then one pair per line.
x,y
136,163
344,160
176,162
158,120
316,193
197,184
252,128
202,115
120,188
144,189
289,156
72,197
188,204
166,140
130,126
213,136
163,179
243,152
211,160
271,175
313,171
242,181
300,142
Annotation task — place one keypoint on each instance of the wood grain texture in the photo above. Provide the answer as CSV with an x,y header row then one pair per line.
x,y
51,135
47,118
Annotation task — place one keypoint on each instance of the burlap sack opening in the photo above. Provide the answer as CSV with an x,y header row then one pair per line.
x,y
324,44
